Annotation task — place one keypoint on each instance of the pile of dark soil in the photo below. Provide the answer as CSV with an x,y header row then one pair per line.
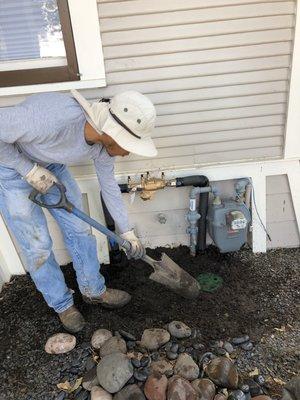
x,y
259,297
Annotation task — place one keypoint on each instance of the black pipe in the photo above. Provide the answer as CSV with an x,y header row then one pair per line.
x,y
194,180
202,222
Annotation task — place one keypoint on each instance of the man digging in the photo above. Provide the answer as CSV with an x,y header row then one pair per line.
x,y
38,139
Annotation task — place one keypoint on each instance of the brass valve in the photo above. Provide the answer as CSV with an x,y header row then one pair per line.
x,y
148,186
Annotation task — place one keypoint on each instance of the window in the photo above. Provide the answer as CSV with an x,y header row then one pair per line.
x,y
36,43
49,45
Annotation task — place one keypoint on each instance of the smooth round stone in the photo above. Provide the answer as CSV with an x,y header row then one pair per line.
x,y
237,395
127,336
260,379
171,355
97,393
60,343
89,364
145,361
154,356
228,347
161,366
240,340
245,388
90,379
153,339
100,336
114,371
220,396
204,388
223,372
263,397
181,349
174,348
247,346
140,376
292,389
135,362
113,345
220,351
156,387
180,389
186,367
179,330
254,387
167,346
130,345
205,358
130,392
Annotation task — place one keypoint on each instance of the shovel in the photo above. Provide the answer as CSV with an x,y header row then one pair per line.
x,y
166,272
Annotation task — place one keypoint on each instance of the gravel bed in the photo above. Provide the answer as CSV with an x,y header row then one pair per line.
x,y
259,297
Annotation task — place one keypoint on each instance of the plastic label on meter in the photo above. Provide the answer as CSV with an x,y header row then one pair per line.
x,y
236,220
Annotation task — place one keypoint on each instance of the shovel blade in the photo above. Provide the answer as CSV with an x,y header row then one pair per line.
x,y
168,273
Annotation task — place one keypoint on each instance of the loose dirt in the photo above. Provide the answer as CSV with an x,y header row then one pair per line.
x,y
259,297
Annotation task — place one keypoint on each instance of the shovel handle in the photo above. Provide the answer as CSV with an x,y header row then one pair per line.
x,y
63,202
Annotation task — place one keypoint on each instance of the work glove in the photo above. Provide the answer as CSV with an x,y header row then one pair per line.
x,y
40,178
137,249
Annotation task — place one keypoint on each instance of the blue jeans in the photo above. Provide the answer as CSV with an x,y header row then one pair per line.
x,y
28,224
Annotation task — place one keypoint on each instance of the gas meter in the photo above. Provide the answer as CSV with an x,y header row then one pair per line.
x,y
228,224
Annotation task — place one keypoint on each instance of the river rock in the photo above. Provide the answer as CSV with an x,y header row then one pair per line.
x,y
154,338
240,340
113,345
237,395
97,393
127,335
161,366
156,387
180,389
60,343
114,371
204,388
228,347
130,392
100,336
179,330
291,391
186,367
220,396
90,379
222,372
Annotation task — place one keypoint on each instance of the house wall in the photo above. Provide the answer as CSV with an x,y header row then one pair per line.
x,y
218,73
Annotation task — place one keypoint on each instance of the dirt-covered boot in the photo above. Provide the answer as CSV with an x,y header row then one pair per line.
x,y
111,298
72,320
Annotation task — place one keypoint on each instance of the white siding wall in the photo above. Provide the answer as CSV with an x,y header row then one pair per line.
x,y
218,73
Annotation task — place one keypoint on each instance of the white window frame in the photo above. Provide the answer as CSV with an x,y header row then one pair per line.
x,y
86,31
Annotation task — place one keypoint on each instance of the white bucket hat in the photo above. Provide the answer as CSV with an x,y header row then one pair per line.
x,y
129,119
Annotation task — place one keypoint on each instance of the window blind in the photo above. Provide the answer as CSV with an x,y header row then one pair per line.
x,y
30,30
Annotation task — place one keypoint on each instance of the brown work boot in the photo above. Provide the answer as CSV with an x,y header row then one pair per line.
x,y
72,319
111,298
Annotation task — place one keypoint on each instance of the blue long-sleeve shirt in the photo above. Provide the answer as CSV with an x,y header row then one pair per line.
x,y
49,128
